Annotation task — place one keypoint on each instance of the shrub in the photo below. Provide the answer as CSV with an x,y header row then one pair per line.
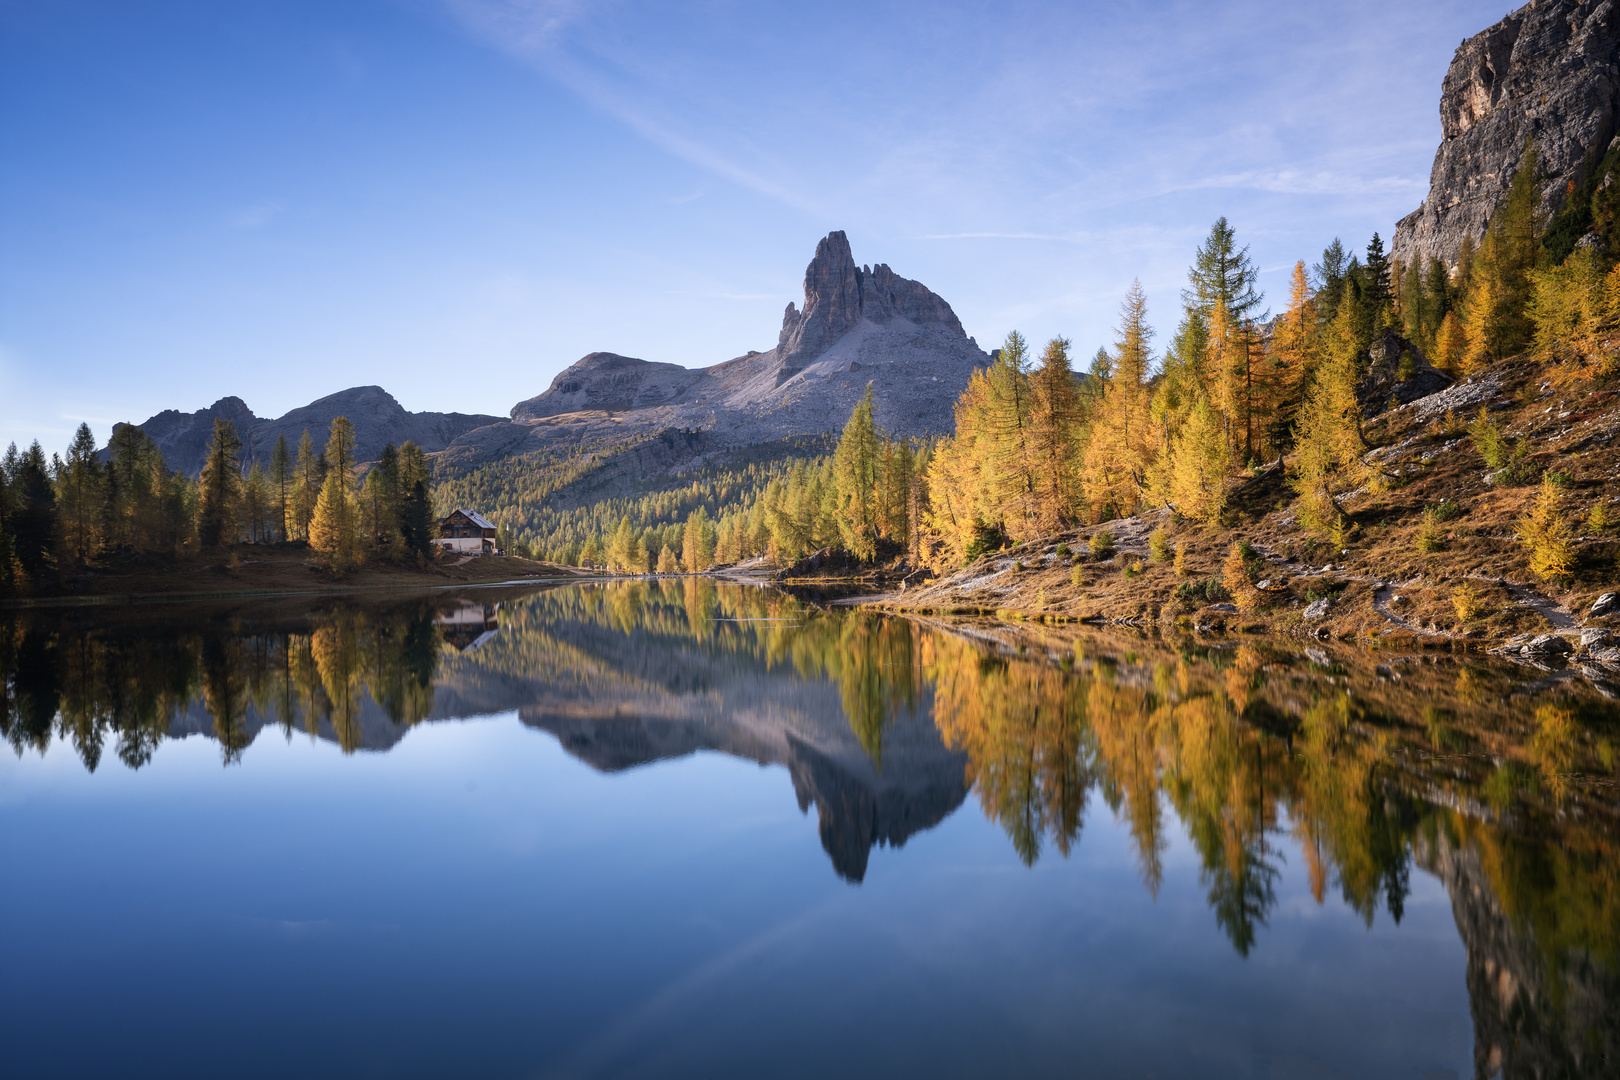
x,y
1487,439
1446,510
986,538
1598,519
1063,551
1559,478
1132,568
1211,591
1429,539
1546,534
1519,469
1077,576
1236,575
1181,560
1159,546
1018,564
1101,544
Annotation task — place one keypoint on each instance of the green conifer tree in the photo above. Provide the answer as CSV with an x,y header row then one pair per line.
x,y
80,492
282,479
855,472
220,488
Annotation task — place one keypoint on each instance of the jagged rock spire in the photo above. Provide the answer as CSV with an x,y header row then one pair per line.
x,y
838,294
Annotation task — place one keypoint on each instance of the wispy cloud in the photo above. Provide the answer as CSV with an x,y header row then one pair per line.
x,y
1026,125
1063,239
255,216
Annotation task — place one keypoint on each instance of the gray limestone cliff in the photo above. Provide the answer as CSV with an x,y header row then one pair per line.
x,y
1548,71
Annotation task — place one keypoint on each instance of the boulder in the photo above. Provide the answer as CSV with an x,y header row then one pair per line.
x,y
1544,645
1318,609
1396,374
1604,604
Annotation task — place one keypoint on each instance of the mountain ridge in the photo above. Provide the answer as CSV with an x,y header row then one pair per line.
x,y
378,419
858,324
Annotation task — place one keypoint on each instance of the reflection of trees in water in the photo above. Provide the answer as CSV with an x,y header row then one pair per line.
x,y
1251,750
85,686
225,692
1252,755
1024,730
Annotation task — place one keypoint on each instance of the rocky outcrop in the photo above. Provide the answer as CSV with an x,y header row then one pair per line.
x,y
1396,374
377,418
1551,71
859,324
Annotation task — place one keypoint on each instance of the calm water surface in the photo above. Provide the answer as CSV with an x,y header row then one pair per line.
x,y
681,829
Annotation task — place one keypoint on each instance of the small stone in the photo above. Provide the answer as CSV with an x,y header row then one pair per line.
x,y
1318,657
1327,568
1317,609
1225,609
1264,585
1604,604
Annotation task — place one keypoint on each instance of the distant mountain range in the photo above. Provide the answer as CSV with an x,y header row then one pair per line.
x,y
859,324
378,420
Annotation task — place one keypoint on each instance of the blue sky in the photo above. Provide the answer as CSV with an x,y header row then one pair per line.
x,y
455,199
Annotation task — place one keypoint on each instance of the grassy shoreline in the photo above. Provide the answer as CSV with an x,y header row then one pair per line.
x,y
261,572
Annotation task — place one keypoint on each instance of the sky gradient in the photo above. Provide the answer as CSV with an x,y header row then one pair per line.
x,y
455,199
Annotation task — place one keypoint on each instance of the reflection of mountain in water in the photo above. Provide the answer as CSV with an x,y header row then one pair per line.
x,y
622,677
1539,1011
617,698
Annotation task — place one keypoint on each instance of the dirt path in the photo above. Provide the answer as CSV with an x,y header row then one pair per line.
x,y
1557,614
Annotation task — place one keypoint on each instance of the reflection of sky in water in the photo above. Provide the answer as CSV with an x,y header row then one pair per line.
x,y
475,902
641,859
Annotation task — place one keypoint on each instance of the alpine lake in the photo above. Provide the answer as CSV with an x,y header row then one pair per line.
x,y
686,828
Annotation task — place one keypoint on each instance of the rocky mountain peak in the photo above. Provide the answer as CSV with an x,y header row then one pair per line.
x,y
231,408
838,294
832,301
1548,71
